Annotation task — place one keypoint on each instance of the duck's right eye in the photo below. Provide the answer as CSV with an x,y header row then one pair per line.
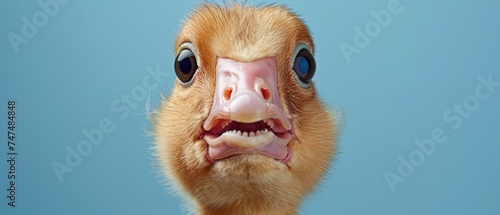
x,y
185,65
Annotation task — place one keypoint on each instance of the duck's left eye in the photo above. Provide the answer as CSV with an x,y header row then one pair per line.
x,y
304,66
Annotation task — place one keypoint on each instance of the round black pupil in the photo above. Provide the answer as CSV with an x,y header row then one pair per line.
x,y
185,65
185,61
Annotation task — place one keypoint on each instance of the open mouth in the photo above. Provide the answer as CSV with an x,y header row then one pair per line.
x,y
248,129
267,137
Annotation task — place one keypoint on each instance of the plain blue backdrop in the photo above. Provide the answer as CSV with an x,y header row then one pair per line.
x,y
89,55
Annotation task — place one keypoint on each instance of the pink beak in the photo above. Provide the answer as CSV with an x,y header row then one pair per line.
x,y
247,101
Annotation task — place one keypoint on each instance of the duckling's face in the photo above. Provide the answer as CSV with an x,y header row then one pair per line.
x,y
243,121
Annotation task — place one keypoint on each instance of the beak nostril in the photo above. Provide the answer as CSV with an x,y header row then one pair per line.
x,y
227,93
265,93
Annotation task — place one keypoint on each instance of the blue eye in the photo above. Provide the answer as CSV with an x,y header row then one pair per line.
x,y
304,66
185,65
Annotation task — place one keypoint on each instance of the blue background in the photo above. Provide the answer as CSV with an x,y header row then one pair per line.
x,y
396,90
